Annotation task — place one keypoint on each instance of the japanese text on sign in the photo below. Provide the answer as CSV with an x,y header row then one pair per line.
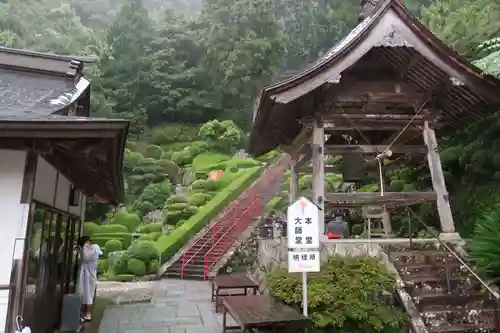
x,y
303,229
303,261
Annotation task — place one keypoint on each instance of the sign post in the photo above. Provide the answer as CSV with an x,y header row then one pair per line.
x,y
303,241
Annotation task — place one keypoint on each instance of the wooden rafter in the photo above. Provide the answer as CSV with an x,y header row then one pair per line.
x,y
373,149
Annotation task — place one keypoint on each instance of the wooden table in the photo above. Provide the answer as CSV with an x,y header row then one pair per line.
x,y
262,312
228,282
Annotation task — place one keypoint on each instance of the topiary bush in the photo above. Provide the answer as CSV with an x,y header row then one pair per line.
x,y
113,228
153,151
144,250
343,297
153,266
176,199
89,228
136,267
102,238
179,206
199,199
204,185
150,228
102,267
203,161
155,235
113,245
144,237
173,217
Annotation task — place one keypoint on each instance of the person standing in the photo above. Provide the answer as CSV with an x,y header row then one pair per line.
x,y
87,274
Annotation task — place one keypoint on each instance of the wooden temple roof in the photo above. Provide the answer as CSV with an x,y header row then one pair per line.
x,y
45,106
389,48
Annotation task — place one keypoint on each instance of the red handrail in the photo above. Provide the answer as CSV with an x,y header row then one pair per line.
x,y
249,193
256,200
233,207
183,260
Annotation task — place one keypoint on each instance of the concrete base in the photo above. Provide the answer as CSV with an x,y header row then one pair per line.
x,y
451,237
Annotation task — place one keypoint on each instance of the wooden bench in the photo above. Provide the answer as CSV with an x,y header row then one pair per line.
x,y
257,313
227,284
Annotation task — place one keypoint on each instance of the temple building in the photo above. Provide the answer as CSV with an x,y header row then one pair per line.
x,y
53,157
379,94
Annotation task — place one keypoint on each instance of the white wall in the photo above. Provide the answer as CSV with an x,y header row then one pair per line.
x,y
14,218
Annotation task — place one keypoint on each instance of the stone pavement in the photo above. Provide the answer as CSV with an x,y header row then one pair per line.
x,y
177,306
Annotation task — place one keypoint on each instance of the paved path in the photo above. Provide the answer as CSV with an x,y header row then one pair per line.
x,y
177,306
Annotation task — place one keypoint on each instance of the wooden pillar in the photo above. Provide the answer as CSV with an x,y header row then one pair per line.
x,y
443,204
294,183
318,162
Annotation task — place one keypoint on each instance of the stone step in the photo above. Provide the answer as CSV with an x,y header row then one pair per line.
x,y
438,285
459,316
410,272
476,300
424,257
462,328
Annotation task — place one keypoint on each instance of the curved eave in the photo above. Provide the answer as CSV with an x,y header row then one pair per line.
x,y
472,77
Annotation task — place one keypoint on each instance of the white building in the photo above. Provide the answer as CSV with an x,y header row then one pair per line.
x,y
52,158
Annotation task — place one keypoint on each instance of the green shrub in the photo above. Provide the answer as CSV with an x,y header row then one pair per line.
x,y
176,206
153,266
150,228
136,267
173,217
143,249
120,265
153,151
102,238
397,185
169,244
202,161
484,251
305,182
204,184
343,296
155,235
169,168
200,175
199,199
176,199
102,266
113,245
190,210
113,228
144,237
89,228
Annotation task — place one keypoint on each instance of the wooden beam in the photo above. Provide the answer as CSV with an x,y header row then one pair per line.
x,y
372,149
443,204
299,142
304,159
365,198
393,91
395,117
328,169
58,134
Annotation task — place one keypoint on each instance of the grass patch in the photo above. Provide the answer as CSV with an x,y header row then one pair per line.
x,y
205,160
100,305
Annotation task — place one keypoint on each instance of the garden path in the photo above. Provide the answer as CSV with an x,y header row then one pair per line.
x,y
176,306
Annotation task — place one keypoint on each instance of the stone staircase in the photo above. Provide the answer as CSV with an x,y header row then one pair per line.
x,y
208,248
447,295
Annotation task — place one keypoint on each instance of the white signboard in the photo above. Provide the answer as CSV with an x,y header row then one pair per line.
x,y
302,225
303,261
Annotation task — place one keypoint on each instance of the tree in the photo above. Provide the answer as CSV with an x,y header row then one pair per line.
x,y
244,48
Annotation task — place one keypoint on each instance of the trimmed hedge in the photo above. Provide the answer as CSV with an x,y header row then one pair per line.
x,y
101,238
169,244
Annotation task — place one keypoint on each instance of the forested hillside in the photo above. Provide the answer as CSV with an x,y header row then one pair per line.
x,y
162,63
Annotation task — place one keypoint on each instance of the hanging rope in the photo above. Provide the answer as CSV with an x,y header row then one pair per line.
x,y
406,127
